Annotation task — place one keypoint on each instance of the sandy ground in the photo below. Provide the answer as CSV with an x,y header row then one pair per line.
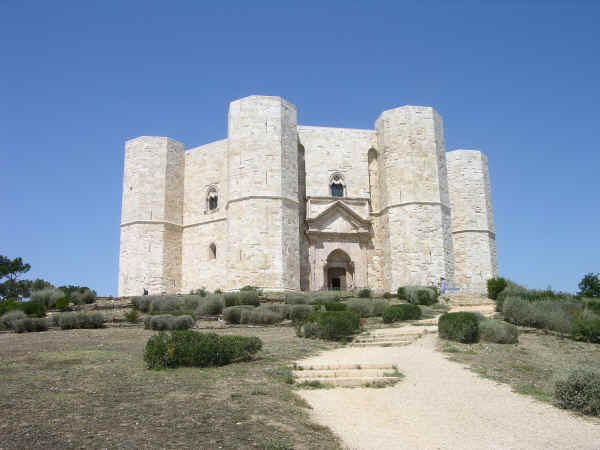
x,y
440,405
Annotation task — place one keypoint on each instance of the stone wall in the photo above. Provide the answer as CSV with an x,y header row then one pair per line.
x,y
472,220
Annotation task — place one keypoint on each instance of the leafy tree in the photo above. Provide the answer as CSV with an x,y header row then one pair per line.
x,y
589,286
13,288
40,284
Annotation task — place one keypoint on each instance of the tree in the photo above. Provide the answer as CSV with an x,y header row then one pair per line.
x,y
589,286
12,287
40,284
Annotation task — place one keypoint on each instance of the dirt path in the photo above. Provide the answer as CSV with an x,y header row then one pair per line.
x,y
440,405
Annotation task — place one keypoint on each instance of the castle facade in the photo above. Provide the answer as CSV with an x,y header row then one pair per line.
x,y
287,207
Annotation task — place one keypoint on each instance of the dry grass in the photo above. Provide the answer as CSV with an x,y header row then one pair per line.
x,y
532,366
90,388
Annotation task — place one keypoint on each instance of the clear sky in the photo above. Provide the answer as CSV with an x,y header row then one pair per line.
x,y
516,79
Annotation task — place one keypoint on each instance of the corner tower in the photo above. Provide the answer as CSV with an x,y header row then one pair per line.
x,y
472,220
150,252
415,205
263,208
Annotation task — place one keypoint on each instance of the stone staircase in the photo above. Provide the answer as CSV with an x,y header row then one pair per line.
x,y
392,337
346,375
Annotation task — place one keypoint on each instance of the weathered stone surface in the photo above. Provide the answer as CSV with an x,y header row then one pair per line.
x,y
406,215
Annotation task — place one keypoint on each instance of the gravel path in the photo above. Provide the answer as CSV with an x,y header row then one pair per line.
x,y
440,405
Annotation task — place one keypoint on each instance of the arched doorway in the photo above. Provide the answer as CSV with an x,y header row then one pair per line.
x,y
339,271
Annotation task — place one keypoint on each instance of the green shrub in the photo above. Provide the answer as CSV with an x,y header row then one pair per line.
x,y
29,324
378,307
553,315
72,320
62,303
168,322
322,297
8,305
333,325
7,319
298,313
232,299
260,316
495,286
397,313
418,295
388,295
48,296
364,293
592,304
169,304
193,349
498,332
459,326
366,307
249,297
233,314
132,315
33,308
212,306
586,329
297,299
201,292
579,391
83,296
281,308
335,306
401,294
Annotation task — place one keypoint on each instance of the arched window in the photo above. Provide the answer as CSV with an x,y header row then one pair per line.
x,y
212,251
336,185
212,199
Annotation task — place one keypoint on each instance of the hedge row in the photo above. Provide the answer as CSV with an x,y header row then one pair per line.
x,y
330,325
190,348
367,307
468,328
396,313
168,322
419,295
579,391
73,320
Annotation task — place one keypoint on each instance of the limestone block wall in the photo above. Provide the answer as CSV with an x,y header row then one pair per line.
x,y
151,219
472,220
414,197
263,207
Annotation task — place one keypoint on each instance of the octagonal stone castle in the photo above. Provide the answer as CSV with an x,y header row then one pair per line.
x,y
287,207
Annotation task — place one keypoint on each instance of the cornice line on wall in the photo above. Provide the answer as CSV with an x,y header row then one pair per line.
x,y
263,197
397,205
491,233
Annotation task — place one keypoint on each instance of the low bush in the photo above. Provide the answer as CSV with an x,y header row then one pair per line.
x,y
7,319
33,308
171,304
233,314
335,306
367,307
331,325
553,315
495,286
586,329
211,306
396,313
498,332
281,308
48,296
7,305
29,324
243,297
579,391
418,295
298,313
512,289
260,316
62,303
168,322
364,293
388,295
297,299
193,349
83,296
322,297
72,320
459,326
592,304
132,315
201,292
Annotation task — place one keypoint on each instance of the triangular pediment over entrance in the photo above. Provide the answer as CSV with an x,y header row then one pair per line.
x,y
339,219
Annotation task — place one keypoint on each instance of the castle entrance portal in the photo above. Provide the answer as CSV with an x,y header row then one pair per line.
x,y
339,271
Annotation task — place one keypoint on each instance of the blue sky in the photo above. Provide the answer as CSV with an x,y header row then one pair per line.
x,y
518,80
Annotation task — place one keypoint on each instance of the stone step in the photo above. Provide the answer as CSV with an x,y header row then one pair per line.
x,y
381,344
342,366
340,373
391,337
352,381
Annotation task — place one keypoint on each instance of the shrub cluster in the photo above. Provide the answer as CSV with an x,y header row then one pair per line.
x,y
331,325
29,324
190,348
48,296
179,304
553,315
297,299
498,332
533,295
72,320
211,306
281,308
299,313
388,295
335,306
396,313
260,316
168,322
245,296
364,293
367,307
132,315
495,286
459,326
7,319
233,314
579,391
418,295
587,329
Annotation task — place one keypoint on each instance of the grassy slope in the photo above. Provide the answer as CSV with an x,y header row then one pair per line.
x,y
89,388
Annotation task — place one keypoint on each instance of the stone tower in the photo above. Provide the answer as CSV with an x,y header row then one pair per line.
x,y
150,254
415,205
263,205
472,219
